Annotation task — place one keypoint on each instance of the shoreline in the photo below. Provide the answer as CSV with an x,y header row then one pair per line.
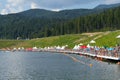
x,y
77,52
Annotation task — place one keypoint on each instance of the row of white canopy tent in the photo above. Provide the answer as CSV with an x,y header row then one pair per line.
x,y
57,47
77,47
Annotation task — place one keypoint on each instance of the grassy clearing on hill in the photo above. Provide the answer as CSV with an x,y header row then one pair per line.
x,y
109,39
101,38
9,43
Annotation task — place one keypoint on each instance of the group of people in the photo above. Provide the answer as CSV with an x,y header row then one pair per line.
x,y
104,51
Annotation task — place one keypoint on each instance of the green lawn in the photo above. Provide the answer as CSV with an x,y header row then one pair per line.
x,y
101,38
9,43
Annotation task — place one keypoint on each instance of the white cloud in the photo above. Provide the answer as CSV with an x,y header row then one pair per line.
x,y
13,6
112,1
60,4
4,12
56,10
15,2
10,9
34,5
15,10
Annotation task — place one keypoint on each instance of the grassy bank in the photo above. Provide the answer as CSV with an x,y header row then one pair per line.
x,y
102,39
9,43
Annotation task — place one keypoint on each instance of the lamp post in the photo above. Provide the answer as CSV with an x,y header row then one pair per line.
x,y
118,42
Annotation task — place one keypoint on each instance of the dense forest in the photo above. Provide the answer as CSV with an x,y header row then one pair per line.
x,y
30,26
107,20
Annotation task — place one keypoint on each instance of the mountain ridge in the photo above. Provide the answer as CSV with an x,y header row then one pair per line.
x,y
63,14
43,23
107,6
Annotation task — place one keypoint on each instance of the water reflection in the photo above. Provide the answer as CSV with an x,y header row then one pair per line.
x,y
55,66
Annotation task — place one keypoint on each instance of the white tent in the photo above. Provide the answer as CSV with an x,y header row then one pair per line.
x,y
88,46
58,47
34,48
81,44
118,36
92,41
76,47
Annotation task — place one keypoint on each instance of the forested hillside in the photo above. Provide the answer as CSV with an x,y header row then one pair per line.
x,y
43,23
107,20
33,23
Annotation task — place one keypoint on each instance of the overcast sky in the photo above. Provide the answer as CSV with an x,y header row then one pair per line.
x,y
14,6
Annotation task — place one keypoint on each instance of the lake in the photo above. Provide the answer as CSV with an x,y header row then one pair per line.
x,y
54,66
